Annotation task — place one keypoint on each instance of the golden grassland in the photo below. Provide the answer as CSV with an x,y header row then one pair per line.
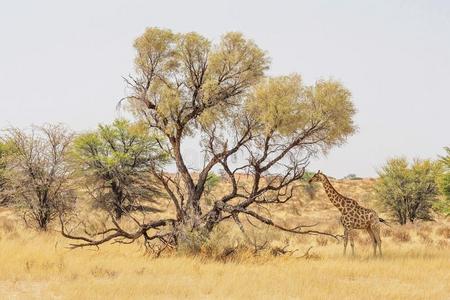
x,y
415,265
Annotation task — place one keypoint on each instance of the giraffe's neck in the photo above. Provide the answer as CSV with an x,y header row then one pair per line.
x,y
335,198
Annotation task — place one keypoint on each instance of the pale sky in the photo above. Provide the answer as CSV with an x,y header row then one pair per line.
x,y
62,61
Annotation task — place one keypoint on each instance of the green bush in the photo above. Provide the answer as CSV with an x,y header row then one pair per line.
x,y
211,182
3,177
409,190
308,175
352,177
443,205
116,163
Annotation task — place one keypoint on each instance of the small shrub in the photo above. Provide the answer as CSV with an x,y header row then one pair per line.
x,y
425,228
103,272
321,241
191,242
7,226
401,236
311,255
310,190
352,177
443,244
221,244
444,232
386,232
212,181
307,176
281,250
425,238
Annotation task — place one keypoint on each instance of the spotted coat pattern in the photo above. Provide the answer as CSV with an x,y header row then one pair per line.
x,y
353,215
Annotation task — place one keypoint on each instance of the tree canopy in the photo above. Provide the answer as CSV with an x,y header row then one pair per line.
x,y
116,162
409,190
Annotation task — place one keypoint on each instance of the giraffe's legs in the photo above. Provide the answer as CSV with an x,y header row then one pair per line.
x,y
345,240
350,233
374,241
376,233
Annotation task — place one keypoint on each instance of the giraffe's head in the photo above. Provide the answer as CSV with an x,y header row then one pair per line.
x,y
317,177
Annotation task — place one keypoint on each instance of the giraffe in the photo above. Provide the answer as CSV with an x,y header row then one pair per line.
x,y
353,215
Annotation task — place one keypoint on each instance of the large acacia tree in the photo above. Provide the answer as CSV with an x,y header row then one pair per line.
x,y
184,85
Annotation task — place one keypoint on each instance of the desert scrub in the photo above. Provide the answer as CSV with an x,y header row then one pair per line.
x,y
401,236
444,232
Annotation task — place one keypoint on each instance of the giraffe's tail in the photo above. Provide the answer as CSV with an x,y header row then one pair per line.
x,y
384,221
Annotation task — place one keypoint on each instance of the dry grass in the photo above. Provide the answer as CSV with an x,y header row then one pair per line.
x,y
401,236
414,266
36,266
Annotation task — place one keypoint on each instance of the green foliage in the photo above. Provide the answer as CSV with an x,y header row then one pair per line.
x,y
308,175
352,177
442,206
310,189
284,105
444,184
187,78
3,177
116,162
186,85
212,181
445,179
409,190
171,66
3,153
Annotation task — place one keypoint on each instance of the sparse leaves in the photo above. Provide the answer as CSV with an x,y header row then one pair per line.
x,y
40,182
5,151
180,76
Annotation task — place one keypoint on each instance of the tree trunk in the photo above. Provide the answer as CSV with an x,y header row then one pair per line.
x,y
43,213
118,201
118,212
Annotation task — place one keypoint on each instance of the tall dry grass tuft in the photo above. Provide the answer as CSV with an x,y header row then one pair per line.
x,y
386,232
401,235
425,237
443,244
444,232
322,241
